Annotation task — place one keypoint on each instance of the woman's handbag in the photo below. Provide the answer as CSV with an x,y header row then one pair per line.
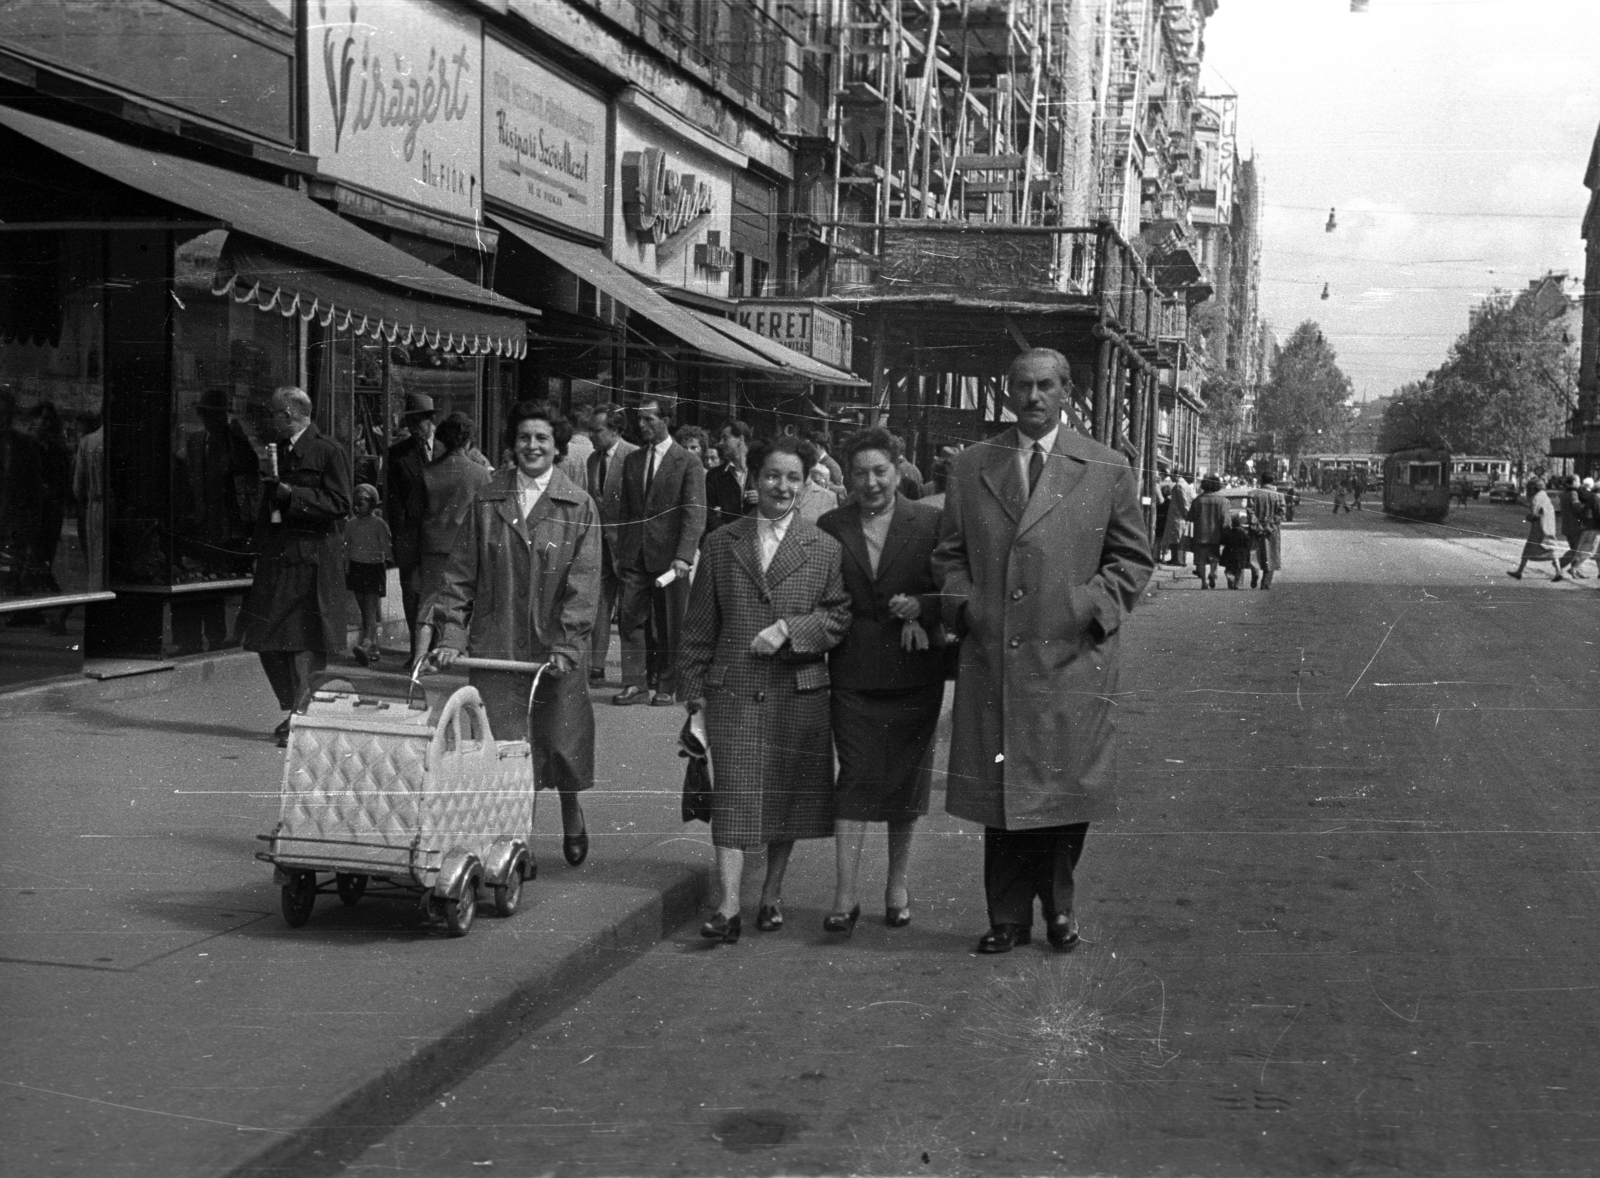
x,y
696,774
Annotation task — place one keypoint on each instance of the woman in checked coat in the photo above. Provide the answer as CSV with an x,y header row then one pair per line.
x,y
767,606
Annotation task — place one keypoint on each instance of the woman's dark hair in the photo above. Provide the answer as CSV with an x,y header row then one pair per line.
x,y
685,433
1210,483
454,432
874,437
523,411
784,444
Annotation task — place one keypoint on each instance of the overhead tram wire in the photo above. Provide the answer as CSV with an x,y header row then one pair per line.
x,y
1575,218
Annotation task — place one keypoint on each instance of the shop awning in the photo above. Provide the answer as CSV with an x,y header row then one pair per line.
x,y
798,364
601,272
312,261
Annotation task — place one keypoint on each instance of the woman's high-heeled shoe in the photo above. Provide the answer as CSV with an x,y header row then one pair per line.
x,y
722,928
839,922
770,918
897,917
575,847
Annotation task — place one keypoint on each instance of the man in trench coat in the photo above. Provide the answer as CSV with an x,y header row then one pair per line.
x,y
294,616
1042,552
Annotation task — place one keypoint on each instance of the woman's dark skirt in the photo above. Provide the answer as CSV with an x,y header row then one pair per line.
x,y
885,744
559,726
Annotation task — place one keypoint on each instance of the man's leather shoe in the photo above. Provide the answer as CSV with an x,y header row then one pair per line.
x,y
596,675
1063,933
662,699
631,695
1002,938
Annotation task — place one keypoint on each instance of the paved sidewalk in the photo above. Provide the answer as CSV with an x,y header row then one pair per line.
x,y
161,1018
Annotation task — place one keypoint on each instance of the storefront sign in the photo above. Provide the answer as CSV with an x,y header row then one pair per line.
x,y
815,331
544,142
394,90
672,199
660,205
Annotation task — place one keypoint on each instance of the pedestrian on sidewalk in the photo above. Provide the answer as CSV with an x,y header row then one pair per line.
x,y
1175,537
369,550
521,583
1571,512
1265,508
294,616
1541,521
1209,518
887,675
406,501
1588,539
1236,548
1042,552
663,515
1341,497
768,605
449,483
605,488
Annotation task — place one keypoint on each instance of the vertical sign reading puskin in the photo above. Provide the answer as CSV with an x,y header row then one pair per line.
x,y
393,89
544,142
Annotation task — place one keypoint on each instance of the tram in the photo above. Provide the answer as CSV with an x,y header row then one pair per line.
x,y
1416,484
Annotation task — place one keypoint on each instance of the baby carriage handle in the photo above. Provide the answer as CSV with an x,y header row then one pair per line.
x,y
537,670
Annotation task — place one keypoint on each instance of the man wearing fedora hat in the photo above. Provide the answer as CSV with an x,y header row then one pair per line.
x,y
407,500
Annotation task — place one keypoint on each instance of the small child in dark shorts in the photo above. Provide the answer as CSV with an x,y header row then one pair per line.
x,y
369,548
1236,549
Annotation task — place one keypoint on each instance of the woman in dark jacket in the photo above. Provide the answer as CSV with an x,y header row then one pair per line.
x,y
522,583
767,606
888,673
449,484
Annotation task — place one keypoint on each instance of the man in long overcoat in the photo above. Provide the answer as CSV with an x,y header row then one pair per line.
x,y
1042,552
294,616
407,500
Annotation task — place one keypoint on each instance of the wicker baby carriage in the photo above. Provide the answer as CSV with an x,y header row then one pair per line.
x,y
389,792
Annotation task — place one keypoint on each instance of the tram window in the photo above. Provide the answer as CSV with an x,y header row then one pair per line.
x,y
1425,474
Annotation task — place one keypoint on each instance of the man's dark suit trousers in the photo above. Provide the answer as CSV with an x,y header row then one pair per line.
x,y
1021,864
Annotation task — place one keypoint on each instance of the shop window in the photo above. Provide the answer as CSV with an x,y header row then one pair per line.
x,y
228,358
52,452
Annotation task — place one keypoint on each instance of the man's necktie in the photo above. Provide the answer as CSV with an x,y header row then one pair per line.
x,y
650,470
600,473
1035,467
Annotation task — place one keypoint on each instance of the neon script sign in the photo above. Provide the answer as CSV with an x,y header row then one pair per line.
x,y
662,206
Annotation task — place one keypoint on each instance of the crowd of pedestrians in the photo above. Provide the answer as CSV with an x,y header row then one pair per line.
x,y
1226,524
1563,526
805,610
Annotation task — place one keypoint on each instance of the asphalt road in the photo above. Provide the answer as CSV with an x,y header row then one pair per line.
x,y
1344,923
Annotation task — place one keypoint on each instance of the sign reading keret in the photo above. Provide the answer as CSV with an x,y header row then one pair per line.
x,y
544,142
814,331
393,91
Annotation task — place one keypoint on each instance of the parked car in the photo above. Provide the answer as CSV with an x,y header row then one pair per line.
x,y
1504,493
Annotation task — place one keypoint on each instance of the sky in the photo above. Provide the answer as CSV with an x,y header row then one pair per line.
x,y
1451,136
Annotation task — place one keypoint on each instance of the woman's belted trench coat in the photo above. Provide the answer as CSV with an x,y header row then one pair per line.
x,y
525,590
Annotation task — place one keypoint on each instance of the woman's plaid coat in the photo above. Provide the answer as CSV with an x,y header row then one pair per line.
x,y
766,717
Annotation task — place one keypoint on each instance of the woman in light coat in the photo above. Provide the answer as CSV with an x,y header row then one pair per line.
x,y
768,604
1541,521
522,583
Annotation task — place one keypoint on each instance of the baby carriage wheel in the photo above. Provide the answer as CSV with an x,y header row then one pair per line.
x,y
509,894
299,894
459,913
351,888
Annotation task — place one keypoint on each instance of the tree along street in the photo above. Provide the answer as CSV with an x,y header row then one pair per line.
x,y
1343,922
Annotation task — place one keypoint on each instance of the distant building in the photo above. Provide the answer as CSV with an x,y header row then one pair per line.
x,y
1581,443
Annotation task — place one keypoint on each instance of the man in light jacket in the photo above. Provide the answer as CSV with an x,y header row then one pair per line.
x,y
1042,552
662,518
